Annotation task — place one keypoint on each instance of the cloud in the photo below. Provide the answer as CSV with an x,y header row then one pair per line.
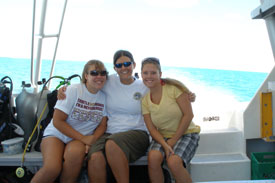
x,y
235,17
86,3
173,3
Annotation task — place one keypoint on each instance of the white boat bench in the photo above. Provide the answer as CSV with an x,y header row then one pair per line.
x,y
35,159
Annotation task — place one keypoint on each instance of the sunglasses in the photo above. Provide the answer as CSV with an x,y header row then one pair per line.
x,y
150,60
96,73
126,64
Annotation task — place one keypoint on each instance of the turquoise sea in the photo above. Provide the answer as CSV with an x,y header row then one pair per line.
x,y
240,85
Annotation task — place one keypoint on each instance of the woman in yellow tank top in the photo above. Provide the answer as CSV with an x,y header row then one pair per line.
x,y
168,116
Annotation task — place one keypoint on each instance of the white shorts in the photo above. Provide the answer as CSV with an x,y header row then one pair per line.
x,y
53,132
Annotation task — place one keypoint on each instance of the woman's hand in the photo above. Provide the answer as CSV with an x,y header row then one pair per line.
x,y
171,142
192,97
168,150
87,148
61,93
88,140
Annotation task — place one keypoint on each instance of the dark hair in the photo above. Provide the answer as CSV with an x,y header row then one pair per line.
x,y
121,53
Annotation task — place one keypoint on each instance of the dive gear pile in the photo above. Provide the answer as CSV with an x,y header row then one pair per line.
x,y
30,117
8,127
31,104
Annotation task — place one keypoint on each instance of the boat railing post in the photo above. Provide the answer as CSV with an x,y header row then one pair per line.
x,y
40,36
39,47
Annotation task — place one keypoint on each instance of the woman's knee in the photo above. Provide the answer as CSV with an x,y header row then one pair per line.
x,y
97,158
155,158
174,162
111,146
74,150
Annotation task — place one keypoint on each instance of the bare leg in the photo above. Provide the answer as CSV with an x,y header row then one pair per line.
x,y
73,161
97,168
176,167
155,159
52,150
117,161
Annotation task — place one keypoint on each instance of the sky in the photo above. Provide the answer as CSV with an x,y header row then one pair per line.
x,y
217,34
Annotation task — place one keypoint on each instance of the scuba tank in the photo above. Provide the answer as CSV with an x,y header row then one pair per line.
x,y
31,114
29,107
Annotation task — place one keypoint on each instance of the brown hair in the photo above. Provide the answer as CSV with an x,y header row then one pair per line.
x,y
98,66
169,81
176,83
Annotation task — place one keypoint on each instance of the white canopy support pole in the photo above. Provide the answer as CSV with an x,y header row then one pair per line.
x,y
39,46
38,62
32,49
57,41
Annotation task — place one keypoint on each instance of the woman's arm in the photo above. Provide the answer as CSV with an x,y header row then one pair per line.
x,y
153,130
186,108
156,135
101,128
59,122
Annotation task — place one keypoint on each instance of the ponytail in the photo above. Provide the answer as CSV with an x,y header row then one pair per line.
x,y
176,83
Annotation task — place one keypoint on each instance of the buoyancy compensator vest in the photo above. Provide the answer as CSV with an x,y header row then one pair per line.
x,y
51,99
8,127
29,107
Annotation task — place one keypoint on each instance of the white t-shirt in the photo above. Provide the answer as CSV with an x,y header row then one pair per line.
x,y
84,109
124,105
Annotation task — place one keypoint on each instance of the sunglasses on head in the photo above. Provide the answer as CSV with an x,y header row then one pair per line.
x,y
151,59
96,73
126,64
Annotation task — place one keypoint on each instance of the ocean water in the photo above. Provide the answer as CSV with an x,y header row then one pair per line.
x,y
210,85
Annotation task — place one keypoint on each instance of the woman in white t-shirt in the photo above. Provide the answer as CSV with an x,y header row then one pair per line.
x,y
78,122
126,138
